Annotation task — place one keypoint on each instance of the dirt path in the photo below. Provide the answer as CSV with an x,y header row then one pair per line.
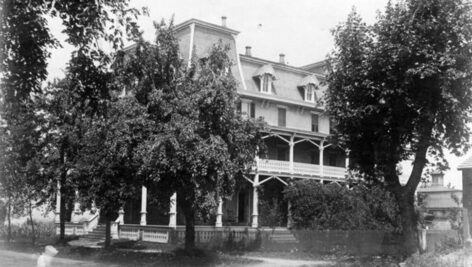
x,y
267,262
19,259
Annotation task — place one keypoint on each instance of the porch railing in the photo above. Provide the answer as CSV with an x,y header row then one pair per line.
x,y
305,168
330,171
274,165
279,166
164,234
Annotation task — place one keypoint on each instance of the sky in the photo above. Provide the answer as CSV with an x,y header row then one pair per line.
x,y
301,29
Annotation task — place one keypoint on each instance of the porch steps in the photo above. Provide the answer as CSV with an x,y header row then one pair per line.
x,y
282,236
97,234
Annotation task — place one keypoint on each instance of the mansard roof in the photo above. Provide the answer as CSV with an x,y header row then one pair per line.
x,y
286,88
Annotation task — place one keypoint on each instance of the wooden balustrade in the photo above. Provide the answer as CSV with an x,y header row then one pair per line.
x,y
279,166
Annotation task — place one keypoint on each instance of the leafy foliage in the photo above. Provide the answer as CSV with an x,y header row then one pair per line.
x,y
199,144
334,207
37,152
400,89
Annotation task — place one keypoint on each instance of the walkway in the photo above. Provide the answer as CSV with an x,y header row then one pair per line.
x,y
267,262
10,258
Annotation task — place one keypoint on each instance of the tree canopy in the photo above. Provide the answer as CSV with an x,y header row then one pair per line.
x,y
200,144
401,89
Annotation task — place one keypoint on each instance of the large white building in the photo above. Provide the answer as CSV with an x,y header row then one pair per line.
x,y
289,100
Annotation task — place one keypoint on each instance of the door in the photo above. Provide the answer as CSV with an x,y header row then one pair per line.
x,y
242,207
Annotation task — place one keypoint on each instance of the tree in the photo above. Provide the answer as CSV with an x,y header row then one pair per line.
x,y
200,145
20,149
400,90
107,168
24,43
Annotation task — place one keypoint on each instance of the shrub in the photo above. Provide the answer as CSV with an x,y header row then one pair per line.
x,y
44,230
434,260
334,207
270,214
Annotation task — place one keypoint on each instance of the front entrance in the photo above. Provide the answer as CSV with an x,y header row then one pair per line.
x,y
242,207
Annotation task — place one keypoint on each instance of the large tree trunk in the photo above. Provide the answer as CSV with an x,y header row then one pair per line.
x,y
409,220
107,233
189,214
405,197
9,219
33,237
62,208
62,191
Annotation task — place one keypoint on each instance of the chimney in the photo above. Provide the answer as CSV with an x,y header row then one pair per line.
x,y
223,21
248,51
282,58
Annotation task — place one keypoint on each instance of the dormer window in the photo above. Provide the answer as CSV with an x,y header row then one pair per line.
x,y
266,83
310,93
310,85
265,75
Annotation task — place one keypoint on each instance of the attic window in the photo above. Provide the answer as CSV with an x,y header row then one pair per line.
x,y
310,85
265,75
310,93
266,83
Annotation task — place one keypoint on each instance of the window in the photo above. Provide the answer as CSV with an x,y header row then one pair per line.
x,y
310,94
252,110
266,83
282,117
314,122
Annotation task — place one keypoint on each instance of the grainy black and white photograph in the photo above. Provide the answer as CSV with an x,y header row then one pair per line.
x,y
235,133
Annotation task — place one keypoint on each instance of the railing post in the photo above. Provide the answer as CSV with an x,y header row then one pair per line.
x,y
121,216
257,162
255,203
173,211
347,161
219,213
321,159
76,212
143,205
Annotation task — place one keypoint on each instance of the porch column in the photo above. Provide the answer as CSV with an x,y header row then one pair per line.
x,y
321,158
173,211
347,159
291,144
143,205
94,207
57,218
76,212
255,203
219,213
121,216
